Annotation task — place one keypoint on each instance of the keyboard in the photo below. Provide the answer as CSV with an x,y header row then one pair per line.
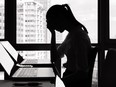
x,y
28,72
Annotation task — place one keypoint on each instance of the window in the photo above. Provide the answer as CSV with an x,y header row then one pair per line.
x,y
25,17
112,19
86,12
28,19
2,9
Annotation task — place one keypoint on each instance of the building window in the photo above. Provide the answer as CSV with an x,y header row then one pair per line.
x,y
86,12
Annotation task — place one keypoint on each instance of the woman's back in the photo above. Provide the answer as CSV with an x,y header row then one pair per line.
x,y
76,47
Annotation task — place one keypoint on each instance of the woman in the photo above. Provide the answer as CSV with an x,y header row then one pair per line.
x,y
76,46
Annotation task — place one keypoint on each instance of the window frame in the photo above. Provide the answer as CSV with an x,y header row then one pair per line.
x,y
105,25
104,41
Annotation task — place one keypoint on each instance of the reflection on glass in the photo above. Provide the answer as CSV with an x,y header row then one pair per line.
x,y
112,19
2,8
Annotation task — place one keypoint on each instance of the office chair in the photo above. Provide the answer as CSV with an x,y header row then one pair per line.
x,y
91,62
109,69
85,80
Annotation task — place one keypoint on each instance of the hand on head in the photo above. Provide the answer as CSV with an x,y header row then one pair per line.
x,y
51,30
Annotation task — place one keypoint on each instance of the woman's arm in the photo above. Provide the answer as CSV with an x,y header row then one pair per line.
x,y
55,59
61,50
54,52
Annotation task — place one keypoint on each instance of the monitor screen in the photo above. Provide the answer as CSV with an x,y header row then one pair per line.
x,y
6,60
10,49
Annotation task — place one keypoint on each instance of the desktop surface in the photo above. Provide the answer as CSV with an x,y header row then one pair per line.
x,y
8,83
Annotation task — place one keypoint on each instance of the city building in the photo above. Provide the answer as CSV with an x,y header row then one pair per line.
x,y
30,22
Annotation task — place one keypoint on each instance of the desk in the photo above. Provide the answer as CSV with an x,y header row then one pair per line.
x,y
8,83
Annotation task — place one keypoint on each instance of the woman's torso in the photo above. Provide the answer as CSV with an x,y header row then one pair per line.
x,y
76,41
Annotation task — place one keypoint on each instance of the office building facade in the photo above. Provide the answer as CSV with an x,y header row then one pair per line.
x,y
30,22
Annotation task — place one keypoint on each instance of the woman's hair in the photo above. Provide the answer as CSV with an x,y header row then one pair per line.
x,y
60,11
63,12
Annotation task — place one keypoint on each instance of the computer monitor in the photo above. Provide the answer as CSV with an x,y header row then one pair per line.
x,y
6,60
10,49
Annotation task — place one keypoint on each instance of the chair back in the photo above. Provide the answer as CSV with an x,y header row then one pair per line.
x,y
109,69
91,62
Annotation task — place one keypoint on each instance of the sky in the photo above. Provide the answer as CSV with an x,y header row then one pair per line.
x,y
2,1
78,6
113,19
58,1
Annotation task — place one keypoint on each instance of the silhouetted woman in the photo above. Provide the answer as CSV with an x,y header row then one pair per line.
x,y
76,45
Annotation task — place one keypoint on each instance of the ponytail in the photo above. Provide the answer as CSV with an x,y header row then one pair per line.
x,y
71,16
84,28
69,12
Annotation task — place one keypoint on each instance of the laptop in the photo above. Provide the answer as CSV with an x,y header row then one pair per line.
x,y
17,73
16,56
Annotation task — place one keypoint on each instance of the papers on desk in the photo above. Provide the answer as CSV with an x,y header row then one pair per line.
x,y
10,49
6,60
59,82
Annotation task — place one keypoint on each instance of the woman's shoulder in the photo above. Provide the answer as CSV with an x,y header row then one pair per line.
x,y
78,32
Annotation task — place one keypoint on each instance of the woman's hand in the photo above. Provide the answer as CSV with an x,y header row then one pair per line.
x,y
53,46
52,31
51,28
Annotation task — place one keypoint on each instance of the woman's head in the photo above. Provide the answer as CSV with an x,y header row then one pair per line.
x,y
59,16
